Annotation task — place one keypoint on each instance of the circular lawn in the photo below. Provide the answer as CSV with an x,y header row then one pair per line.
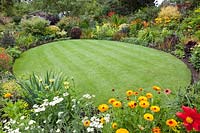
x,y
98,66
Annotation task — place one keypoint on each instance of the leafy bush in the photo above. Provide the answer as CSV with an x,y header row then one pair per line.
x,y
66,23
179,51
124,28
35,25
134,40
75,32
195,57
5,60
25,41
106,31
14,52
7,40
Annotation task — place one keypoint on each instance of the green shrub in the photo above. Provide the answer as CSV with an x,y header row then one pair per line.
x,y
195,57
106,31
14,52
35,25
134,40
179,52
25,41
66,23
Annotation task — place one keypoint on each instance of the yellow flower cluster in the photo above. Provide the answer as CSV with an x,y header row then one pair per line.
x,y
139,102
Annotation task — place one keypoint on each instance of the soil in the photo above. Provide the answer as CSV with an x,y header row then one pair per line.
x,y
195,74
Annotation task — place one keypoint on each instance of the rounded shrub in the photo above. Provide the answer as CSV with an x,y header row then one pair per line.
x,y
75,33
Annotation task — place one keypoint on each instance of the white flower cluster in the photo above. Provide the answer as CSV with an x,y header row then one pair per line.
x,y
42,107
88,96
158,2
95,122
8,125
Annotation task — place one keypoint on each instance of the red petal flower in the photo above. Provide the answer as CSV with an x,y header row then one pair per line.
x,y
190,117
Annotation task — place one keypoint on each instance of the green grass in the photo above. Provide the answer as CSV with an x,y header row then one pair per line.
x,y
98,66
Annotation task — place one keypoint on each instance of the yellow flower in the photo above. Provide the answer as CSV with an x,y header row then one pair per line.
x,y
141,89
156,88
171,123
117,104
129,93
114,125
66,83
103,107
102,120
144,104
149,95
111,100
7,95
156,130
148,117
122,130
155,108
132,104
142,98
86,123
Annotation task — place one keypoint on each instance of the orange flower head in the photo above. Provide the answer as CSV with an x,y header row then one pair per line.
x,y
122,130
103,107
149,95
132,104
7,95
156,88
117,104
129,93
86,123
155,108
144,104
142,98
135,93
114,125
111,100
171,123
156,130
148,117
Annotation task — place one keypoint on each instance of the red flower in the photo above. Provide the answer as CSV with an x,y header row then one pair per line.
x,y
110,14
190,117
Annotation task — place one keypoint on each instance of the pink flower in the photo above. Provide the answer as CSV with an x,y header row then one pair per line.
x,y
167,91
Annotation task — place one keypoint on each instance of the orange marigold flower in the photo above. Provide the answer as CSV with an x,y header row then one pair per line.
x,y
111,100
135,93
156,88
144,104
129,93
114,125
149,95
117,104
103,107
7,95
132,104
171,123
86,123
142,98
122,130
155,108
148,117
156,130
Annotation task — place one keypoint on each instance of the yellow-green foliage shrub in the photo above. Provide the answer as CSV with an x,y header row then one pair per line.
x,y
169,11
52,29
